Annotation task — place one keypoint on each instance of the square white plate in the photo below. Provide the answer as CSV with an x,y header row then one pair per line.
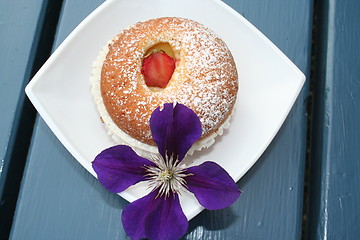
x,y
269,85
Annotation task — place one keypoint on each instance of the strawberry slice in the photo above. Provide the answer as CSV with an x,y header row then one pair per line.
x,y
157,69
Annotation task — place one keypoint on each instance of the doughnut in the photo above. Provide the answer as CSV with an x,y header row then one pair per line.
x,y
204,78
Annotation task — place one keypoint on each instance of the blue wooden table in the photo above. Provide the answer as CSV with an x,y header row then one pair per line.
x,y
304,186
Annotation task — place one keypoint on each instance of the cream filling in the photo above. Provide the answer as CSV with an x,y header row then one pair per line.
x,y
119,136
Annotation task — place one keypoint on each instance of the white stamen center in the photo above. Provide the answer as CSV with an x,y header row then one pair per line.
x,y
167,176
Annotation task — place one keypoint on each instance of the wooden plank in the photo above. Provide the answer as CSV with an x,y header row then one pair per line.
x,y
18,22
335,164
20,29
61,200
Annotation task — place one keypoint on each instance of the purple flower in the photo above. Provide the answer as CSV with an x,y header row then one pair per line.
x,y
158,215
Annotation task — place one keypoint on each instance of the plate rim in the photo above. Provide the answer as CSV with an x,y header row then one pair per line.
x,y
29,90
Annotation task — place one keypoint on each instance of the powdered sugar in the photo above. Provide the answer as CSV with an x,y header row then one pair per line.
x,y
205,78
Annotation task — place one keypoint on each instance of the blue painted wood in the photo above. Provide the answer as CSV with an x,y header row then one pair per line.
x,y
20,30
335,164
50,208
19,33
60,200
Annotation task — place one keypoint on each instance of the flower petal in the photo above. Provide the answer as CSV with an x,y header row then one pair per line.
x,y
135,215
155,218
119,167
175,129
212,185
167,221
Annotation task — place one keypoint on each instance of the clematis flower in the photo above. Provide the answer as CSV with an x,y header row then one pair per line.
x,y
158,215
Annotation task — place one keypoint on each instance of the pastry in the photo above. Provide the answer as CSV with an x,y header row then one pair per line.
x,y
158,61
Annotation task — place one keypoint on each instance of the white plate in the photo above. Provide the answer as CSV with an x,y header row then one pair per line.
x,y
269,85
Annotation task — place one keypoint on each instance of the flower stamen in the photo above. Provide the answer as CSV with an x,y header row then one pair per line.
x,y
167,176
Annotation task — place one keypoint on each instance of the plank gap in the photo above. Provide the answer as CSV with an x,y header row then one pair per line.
x,y
27,115
316,26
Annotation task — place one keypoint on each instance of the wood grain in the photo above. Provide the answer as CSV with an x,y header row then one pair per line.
x,y
18,41
20,34
60,200
335,163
